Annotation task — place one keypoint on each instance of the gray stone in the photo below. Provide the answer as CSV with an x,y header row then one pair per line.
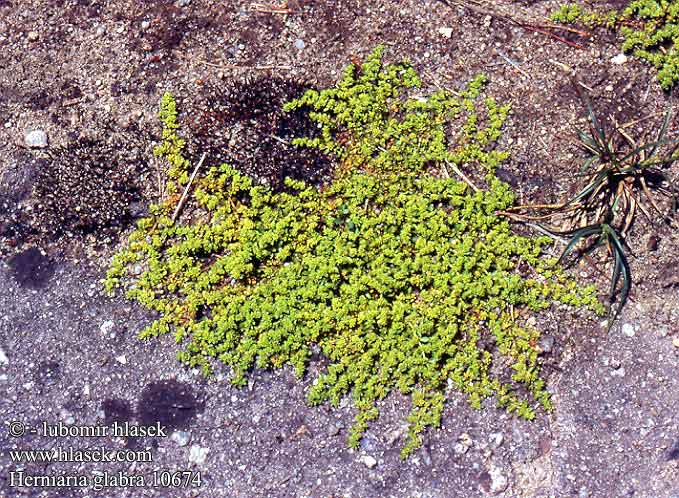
x,y
36,139
182,438
463,444
546,343
368,444
498,481
496,439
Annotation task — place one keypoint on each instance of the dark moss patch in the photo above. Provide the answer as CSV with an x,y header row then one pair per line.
x,y
116,410
88,186
244,124
31,268
168,402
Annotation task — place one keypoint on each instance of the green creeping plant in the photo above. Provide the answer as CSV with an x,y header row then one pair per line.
x,y
650,29
396,273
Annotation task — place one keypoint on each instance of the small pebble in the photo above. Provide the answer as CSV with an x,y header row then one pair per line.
x,y
628,330
498,481
496,439
619,372
145,24
546,343
106,327
36,139
299,44
619,59
463,444
33,36
183,3
334,430
675,342
198,454
121,359
447,32
182,438
368,461
3,358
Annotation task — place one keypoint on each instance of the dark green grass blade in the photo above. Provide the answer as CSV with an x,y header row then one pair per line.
x,y
589,143
615,277
650,146
577,236
591,187
663,129
623,270
588,163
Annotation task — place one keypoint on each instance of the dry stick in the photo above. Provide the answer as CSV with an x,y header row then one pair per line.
x,y
271,9
461,175
637,121
265,67
513,64
182,201
480,8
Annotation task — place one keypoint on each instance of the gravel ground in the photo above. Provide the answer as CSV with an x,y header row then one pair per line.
x,y
90,75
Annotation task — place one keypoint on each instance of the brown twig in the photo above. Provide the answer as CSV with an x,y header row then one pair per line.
x,y
271,9
480,8
459,173
265,67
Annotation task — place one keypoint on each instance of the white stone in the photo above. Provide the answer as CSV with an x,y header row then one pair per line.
x,y
368,461
628,329
121,359
145,24
299,44
496,439
198,454
498,482
619,59
447,32
106,327
36,139
3,358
